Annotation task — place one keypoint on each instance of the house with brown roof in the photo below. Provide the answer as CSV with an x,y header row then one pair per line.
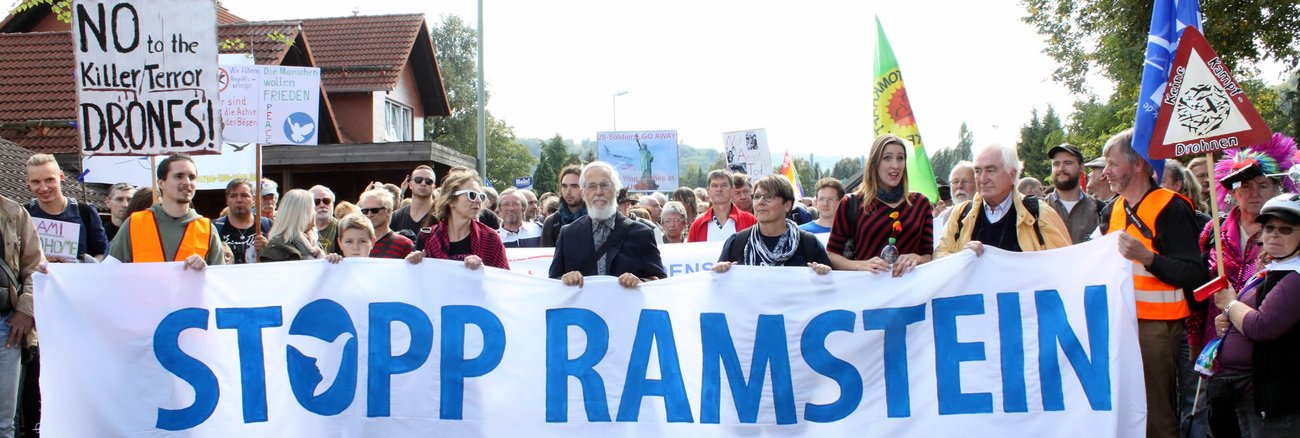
x,y
379,78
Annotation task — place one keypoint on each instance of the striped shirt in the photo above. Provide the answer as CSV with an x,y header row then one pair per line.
x,y
392,246
872,230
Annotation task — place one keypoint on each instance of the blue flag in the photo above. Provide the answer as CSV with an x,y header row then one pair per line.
x,y
1168,19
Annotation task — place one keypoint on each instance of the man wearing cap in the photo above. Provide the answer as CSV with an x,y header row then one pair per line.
x,y
270,198
1097,185
1158,233
1076,208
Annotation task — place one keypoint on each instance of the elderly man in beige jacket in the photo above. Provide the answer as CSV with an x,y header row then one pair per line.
x,y
999,216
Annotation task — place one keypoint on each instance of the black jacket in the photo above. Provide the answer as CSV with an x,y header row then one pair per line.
x,y
1275,365
636,253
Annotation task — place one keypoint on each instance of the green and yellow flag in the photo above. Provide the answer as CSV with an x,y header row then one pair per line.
x,y
893,114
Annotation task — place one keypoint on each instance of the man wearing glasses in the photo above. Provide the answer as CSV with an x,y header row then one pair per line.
x,y
236,228
410,219
327,227
605,242
377,205
961,180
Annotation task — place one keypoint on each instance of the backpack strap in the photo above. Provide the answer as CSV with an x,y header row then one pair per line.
x,y
1031,205
961,219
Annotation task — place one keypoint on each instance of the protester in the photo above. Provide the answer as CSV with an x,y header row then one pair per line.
x,y
1259,355
625,201
410,219
1098,187
550,206
1030,186
1077,209
327,227
829,194
1158,233
237,229
344,208
170,230
377,205
356,238
1192,190
741,191
458,235
653,206
571,209
140,201
293,236
674,222
686,197
776,240
603,242
722,219
118,203
532,212
45,180
961,181
491,203
486,216
881,213
998,216
1201,168
270,198
516,231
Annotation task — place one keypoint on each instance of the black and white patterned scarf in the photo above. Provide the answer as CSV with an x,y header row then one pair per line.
x,y
757,254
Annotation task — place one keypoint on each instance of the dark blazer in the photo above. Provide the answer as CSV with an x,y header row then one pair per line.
x,y
637,253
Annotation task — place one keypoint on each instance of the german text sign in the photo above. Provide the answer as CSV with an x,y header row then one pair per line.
x,y
146,73
372,347
58,237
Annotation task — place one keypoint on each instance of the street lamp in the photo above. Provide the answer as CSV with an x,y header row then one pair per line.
x,y
615,100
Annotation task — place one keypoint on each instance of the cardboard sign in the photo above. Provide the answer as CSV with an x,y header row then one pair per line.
x,y
646,161
58,238
747,152
146,73
1203,110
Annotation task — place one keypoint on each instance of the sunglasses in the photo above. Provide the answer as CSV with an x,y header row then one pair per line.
x,y
324,201
370,211
422,180
471,195
1285,231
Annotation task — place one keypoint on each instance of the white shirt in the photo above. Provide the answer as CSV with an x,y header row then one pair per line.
x,y
720,234
995,213
529,230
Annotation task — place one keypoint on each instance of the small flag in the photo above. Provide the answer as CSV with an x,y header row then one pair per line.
x,y
792,174
894,115
1168,19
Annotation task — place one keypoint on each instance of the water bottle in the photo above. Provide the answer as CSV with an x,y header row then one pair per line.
x,y
889,253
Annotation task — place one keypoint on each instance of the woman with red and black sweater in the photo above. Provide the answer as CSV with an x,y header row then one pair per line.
x,y
459,235
881,213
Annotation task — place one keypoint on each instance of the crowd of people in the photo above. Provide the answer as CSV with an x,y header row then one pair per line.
x,y
597,227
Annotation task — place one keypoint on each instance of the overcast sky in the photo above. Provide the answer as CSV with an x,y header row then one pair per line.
x,y
706,67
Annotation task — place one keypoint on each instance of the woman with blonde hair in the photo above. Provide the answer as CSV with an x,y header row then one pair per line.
x,y
459,235
883,227
292,235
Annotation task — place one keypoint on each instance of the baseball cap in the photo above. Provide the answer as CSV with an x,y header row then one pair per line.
x,y
1066,147
1097,163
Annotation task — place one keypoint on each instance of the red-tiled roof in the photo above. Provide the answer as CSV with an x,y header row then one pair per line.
x,y
362,53
36,84
225,17
242,37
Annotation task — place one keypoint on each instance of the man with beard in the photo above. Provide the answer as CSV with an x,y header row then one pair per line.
x,y
961,181
170,230
327,227
119,197
237,228
1076,208
410,219
516,231
572,205
1098,187
605,242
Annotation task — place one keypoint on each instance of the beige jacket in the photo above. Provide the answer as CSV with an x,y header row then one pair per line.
x,y
1055,235
22,252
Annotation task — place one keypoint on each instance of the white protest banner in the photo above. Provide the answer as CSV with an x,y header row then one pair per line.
x,y
646,161
747,152
146,76
58,238
373,347
678,258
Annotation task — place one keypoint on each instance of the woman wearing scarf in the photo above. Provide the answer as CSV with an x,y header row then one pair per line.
x,y
776,241
459,235
1258,362
883,214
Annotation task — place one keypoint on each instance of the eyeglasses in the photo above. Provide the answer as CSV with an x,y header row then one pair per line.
x,y
422,180
370,211
599,186
471,195
764,198
962,182
1285,231
324,201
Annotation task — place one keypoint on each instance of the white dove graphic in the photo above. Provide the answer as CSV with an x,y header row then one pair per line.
x,y
328,353
301,132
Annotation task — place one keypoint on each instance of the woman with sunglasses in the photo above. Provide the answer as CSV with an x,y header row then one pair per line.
x,y
775,240
459,235
1258,362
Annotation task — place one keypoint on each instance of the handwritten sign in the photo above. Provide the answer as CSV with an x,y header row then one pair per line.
x,y
58,238
747,152
146,73
270,104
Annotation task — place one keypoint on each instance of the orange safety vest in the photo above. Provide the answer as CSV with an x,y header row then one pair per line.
x,y
1156,300
146,245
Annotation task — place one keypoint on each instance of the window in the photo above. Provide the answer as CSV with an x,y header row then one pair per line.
x,y
399,121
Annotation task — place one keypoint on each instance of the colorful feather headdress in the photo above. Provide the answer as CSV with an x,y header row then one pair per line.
x,y
1273,157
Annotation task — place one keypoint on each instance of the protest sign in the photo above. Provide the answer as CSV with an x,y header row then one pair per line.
x,y
747,152
646,161
58,238
290,103
372,347
678,258
146,73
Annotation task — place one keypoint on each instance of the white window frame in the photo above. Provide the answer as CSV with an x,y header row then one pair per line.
x,y
399,121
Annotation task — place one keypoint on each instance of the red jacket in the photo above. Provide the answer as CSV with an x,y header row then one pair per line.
x,y
700,228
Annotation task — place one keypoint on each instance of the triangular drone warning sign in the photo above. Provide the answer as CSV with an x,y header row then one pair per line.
x,y
1203,109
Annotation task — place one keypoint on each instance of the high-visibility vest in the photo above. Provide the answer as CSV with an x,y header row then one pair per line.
x,y
146,245
1156,300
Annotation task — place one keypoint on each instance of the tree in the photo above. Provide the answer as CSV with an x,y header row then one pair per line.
x,y
945,159
847,168
555,155
507,158
1035,139
807,176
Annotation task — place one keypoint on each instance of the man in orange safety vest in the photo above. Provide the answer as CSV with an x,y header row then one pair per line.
x,y
171,230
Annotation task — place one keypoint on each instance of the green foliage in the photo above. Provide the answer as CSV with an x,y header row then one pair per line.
x,y
1094,122
233,44
555,155
807,173
945,159
280,38
1035,139
847,168
62,9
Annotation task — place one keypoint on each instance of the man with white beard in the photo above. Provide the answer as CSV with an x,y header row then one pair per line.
x,y
327,227
962,182
605,242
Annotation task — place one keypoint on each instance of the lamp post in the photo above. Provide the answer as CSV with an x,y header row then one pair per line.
x,y
615,101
